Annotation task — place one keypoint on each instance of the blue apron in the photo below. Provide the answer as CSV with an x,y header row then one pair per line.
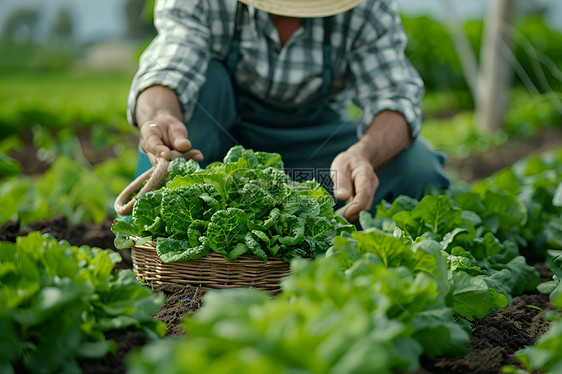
x,y
307,135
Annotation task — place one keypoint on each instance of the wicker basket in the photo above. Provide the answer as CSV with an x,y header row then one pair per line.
x,y
211,270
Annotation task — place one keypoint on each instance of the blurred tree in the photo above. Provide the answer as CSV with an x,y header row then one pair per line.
x,y
489,83
139,19
21,25
495,74
63,28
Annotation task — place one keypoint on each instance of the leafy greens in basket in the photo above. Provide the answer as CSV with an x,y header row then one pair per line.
x,y
246,204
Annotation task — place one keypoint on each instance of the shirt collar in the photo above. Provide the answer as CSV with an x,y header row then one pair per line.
x,y
264,24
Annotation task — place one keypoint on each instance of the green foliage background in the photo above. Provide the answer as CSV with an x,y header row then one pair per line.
x,y
49,96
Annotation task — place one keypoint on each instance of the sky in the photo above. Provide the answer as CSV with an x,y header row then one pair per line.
x,y
105,19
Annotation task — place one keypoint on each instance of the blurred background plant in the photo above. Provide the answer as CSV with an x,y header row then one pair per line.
x,y
66,66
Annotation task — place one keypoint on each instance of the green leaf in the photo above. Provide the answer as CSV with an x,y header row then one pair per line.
x,y
470,201
238,250
9,166
238,152
437,214
171,250
225,229
255,201
401,203
510,211
405,221
216,179
348,251
291,229
254,246
267,159
182,167
523,276
121,226
262,236
441,335
319,234
272,219
429,259
308,205
461,260
95,350
146,209
499,282
49,301
180,207
391,251
449,237
555,265
487,247
195,232
318,199
472,298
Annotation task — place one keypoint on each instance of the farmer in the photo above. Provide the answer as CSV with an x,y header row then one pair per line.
x,y
278,76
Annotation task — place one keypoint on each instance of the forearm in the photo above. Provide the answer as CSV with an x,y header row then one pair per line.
x,y
386,137
157,103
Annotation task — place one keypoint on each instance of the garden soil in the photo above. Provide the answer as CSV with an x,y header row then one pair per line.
x,y
482,165
495,338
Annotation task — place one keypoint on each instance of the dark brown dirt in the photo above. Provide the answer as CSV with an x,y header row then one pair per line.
x,y
113,363
482,165
32,165
496,337
27,157
82,233
181,301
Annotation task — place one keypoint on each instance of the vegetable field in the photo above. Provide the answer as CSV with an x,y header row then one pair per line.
x,y
418,288
461,281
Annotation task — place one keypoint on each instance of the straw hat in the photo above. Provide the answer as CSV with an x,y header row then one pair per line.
x,y
303,8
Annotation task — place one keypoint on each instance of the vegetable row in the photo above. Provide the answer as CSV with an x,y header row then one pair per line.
x,y
409,284
58,301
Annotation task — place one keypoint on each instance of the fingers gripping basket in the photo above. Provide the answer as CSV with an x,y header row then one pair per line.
x,y
211,270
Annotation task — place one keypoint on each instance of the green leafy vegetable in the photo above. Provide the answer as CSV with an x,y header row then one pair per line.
x,y
245,204
58,300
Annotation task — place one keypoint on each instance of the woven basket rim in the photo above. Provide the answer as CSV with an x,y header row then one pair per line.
x,y
212,270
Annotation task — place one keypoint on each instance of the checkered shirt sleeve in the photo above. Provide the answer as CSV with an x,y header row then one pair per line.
x,y
368,57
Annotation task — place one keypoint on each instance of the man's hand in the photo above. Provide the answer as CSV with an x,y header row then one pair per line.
x,y
162,132
353,176
353,171
167,138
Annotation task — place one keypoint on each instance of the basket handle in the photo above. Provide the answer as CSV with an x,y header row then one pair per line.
x,y
154,177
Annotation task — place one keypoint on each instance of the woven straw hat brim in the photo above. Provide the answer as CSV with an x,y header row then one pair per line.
x,y
303,8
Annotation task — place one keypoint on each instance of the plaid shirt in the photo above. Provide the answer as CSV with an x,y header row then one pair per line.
x,y
368,59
